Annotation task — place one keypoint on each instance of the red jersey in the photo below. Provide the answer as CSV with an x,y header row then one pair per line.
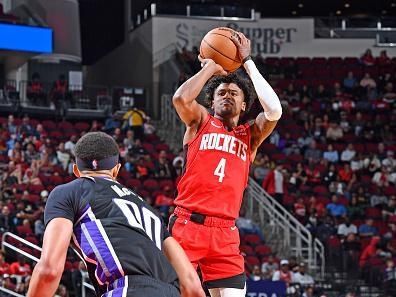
x,y
216,170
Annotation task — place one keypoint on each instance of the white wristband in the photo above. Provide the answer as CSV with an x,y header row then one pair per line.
x,y
267,96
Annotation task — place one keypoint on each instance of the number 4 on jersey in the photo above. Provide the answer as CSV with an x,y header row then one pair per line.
x,y
219,171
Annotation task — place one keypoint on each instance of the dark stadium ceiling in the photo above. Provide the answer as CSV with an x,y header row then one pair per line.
x,y
102,21
289,8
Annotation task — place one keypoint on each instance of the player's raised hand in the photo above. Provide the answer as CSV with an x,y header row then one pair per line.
x,y
243,45
217,69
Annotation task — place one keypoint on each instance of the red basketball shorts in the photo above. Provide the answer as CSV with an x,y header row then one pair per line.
x,y
214,248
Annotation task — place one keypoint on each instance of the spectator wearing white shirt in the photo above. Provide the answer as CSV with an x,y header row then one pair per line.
x,y
269,267
302,277
348,154
70,145
346,228
389,161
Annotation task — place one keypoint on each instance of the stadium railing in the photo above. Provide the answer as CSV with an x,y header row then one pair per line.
x,y
284,232
12,244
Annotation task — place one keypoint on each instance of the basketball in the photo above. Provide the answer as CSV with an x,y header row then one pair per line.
x,y
218,46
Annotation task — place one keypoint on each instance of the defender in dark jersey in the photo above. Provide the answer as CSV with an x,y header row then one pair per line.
x,y
125,245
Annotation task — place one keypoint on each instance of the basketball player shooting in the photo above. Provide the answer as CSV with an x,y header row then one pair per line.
x,y
218,156
127,249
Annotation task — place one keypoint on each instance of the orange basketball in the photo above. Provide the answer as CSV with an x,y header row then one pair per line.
x,y
218,46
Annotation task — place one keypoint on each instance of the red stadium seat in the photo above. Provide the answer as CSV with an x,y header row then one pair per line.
x,y
252,260
373,212
36,189
48,125
263,250
81,126
247,250
65,126
32,239
151,185
24,231
166,183
252,239
133,183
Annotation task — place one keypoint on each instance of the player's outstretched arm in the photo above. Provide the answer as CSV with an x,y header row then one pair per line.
x,y
266,121
189,110
48,271
190,285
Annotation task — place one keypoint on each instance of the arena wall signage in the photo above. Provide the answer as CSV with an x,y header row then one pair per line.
x,y
270,37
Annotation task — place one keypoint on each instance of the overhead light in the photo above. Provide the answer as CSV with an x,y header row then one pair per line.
x,y
300,5
347,5
384,12
338,12
393,4
294,12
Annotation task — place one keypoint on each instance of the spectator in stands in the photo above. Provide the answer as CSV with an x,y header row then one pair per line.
x,y
378,199
35,90
370,251
39,227
348,153
389,161
367,58
389,278
273,183
129,140
164,200
312,153
25,128
6,220
16,154
247,226
59,92
162,167
71,144
355,209
321,93
300,210
148,127
389,209
4,266
317,131
20,267
383,59
367,82
382,178
142,171
367,229
134,120
283,274
11,126
334,133
62,291
350,83
63,156
39,132
335,208
350,254
298,176
256,273
346,228
117,135
331,155
301,277
291,93
268,267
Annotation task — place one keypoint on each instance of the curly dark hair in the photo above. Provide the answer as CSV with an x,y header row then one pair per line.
x,y
96,146
239,79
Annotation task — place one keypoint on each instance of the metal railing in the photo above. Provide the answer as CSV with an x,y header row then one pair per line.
x,y
4,244
170,127
284,232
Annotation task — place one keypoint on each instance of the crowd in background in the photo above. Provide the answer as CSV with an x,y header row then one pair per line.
x,y
330,162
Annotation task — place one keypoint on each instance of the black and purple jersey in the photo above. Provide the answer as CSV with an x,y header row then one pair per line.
x,y
115,231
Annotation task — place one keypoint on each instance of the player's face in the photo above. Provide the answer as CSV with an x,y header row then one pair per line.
x,y
228,100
